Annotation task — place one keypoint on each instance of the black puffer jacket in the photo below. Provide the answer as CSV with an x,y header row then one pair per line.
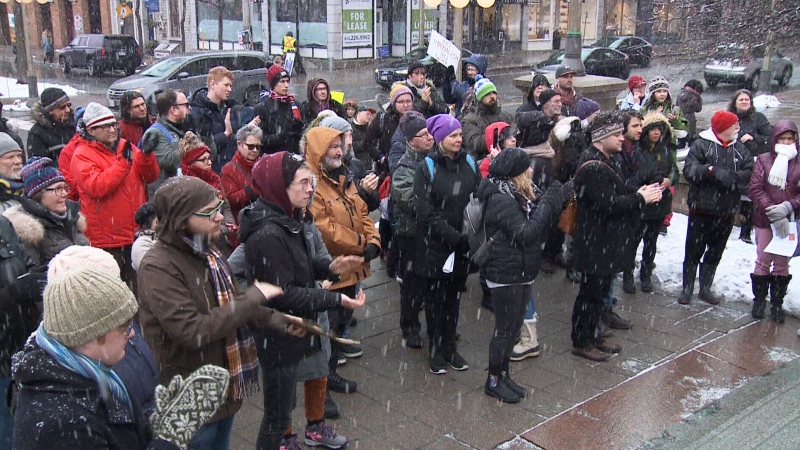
x,y
380,133
208,121
516,254
718,192
277,252
440,212
282,131
608,215
59,409
534,127
757,125
47,137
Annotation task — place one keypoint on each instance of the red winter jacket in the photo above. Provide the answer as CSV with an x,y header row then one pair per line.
x,y
236,183
133,131
64,165
111,189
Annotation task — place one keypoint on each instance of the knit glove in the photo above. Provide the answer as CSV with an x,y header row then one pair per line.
x,y
186,404
779,211
781,227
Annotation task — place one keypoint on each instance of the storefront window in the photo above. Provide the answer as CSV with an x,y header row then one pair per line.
x,y
306,19
540,25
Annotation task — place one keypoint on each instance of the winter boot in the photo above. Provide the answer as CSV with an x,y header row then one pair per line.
x,y
528,345
777,291
627,282
689,275
511,384
495,387
707,272
645,276
760,290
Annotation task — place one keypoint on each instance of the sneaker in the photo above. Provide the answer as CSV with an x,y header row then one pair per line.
x,y
457,362
331,407
290,443
321,435
342,360
352,350
437,365
613,320
337,383
413,340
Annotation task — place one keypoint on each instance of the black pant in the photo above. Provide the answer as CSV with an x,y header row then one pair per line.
x,y
410,298
442,301
280,384
707,234
588,309
123,257
509,304
339,318
647,231
554,244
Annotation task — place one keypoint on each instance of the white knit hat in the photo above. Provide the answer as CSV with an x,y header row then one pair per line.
x,y
84,304
97,114
76,256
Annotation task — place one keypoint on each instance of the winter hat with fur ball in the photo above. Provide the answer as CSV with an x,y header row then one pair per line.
x,y
84,304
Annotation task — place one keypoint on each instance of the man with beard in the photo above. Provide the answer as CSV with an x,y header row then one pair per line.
x,y
426,99
162,138
135,119
11,186
488,112
55,124
570,98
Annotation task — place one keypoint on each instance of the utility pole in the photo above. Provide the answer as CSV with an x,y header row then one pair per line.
x,y
421,23
765,76
26,73
573,41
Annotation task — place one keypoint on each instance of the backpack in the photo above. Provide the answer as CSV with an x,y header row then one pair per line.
x,y
432,166
160,128
475,226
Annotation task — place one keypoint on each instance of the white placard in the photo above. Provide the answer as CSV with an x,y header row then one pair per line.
x,y
783,246
443,50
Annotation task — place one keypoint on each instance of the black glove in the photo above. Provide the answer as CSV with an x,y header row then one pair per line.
x,y
28,288
149,143
462,247
725,177
125,149
450,74
371,251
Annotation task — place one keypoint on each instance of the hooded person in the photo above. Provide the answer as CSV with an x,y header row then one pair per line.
x,y
276,251
659,99
690,101
318,93
473,68
718,169
281,120
775,192
539,84
190,310
54,124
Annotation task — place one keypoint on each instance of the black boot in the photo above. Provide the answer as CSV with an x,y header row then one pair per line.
x,y
689,275
707,272
777,291
495,387
746,208
760,290
645,276
627,282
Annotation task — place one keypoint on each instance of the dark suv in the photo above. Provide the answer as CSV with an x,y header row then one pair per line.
x,y
99,53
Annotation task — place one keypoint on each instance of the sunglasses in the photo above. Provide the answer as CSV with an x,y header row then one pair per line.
x,y
252,147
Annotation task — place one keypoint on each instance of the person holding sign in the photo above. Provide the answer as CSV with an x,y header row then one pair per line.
x,y
775,192
426,99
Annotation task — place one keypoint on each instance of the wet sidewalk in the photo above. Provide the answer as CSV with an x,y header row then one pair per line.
x,y
677,360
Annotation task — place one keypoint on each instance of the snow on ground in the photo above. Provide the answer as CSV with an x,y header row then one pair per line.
x,y
10,88
732,280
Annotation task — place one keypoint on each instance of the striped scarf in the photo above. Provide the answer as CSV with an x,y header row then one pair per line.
x,y
108,382
240,347
287,99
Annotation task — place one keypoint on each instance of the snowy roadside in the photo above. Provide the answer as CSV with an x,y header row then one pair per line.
x,y
9,88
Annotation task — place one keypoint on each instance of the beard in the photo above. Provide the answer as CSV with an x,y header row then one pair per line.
x,y
331,163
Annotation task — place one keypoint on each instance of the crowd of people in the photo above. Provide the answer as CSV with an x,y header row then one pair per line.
x,y
158,270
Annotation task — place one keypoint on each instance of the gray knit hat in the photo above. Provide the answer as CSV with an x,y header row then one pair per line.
x,y
97,114
84,304
8,145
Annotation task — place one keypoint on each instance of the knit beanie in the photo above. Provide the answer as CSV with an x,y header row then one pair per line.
x,y
97,114
8,145
414,65
412,123
276,73
657,83
636,81
509,163
545,96
76,256
52,98
397,91
586,107
442,125
697,85
84,304
539,80
722,120
484,87
39,173
335,122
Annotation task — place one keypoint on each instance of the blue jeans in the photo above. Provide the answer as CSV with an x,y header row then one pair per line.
x,y
6,421
608,300
531,310
213,436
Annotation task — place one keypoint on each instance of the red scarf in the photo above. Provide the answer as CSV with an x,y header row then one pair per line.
x,y
288,99
207,175
244,163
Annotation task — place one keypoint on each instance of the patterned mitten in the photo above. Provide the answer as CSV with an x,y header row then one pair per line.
x,y
185,405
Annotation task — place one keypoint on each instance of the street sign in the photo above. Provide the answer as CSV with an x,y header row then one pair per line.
x,y
123,10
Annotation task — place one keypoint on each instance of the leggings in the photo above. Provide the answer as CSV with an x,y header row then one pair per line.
x,y
509,311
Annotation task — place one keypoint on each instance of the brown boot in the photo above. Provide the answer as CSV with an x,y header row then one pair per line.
x,y
607,346
591,353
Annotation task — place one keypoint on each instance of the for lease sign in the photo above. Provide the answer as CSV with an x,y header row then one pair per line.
x,y
357,23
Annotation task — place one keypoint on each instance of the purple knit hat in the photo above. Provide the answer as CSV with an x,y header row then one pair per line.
x,y
39,173
442,125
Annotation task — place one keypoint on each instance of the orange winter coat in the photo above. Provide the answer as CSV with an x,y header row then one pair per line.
x,y
111,189
339,212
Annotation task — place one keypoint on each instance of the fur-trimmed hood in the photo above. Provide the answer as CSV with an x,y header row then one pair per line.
x,y
45,119
29,219
655,118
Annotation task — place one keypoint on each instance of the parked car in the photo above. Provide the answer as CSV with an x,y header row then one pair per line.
x,y
398,70
100,53
741,65
638,50
189,72
603,61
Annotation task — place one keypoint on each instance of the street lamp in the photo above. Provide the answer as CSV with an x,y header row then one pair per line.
x,y
573,41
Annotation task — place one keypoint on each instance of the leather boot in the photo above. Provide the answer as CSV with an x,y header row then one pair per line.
x,y
689,275
707,272
760,290
495,387
645,276
777,291
528,345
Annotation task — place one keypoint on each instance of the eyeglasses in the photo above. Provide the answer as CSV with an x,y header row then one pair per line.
x,y
213,213
61,190
107,127
206,160
252,147
306,182
127,327
422,134
178,105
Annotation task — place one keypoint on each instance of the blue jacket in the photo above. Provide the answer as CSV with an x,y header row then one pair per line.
x,y
453,91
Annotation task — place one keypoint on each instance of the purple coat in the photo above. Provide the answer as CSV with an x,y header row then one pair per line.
x,y
764,194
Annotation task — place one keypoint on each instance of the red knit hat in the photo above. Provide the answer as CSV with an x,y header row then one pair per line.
x,y
276,73
636,81
722,120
